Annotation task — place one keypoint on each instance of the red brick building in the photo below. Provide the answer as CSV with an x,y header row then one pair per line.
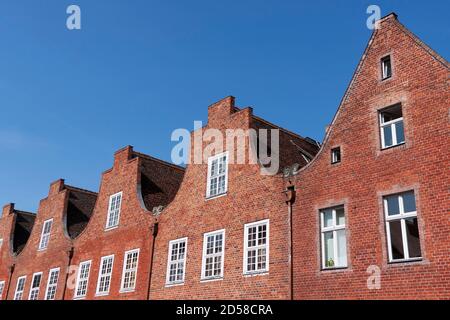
x,y
364,215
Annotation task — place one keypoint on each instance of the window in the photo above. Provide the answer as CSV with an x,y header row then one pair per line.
x,y
401,227
52,284
45,235
386,68
104,276
213,252
1,243
336,155
217,175
115,202
2,287
20,288
176,261
256,247
35,286
82,279
129,273
333,238
391,123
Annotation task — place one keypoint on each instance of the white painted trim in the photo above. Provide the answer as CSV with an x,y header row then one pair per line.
x,y
108,218
169,254
77,286
135,270
110,274
203,277
333,228
2,289
208,182
41,247
32,281
48,282
246,249
17,287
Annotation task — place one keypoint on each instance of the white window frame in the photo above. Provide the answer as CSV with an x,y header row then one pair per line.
x,y
384,75
34,291
257,247
401,216
1,243
333,228
105,275
334,158
131,270
2,288
45,236
217,176
170,262
213,255
393,130
51,284
84,280
112,211
18,294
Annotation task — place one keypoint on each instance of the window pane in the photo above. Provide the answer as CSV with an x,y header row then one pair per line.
x,y
327,217
399,130
412,234
342,248
409,201
329,249
396,239
387,136
392,204
340,216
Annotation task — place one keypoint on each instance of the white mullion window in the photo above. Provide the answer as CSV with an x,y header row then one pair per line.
x,y
217,183
35,286
2,288
45,234
333,238
386,68
115,203
129,273
176,262
52,284
402,228
18,294
213,254
256,247
1,243
391,126
82,279
104,276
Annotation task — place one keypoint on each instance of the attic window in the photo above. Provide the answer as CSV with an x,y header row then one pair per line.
x,y
45,235
336,155
386,68
391,126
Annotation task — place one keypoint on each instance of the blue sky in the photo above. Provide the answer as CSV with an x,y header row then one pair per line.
x,y
139,69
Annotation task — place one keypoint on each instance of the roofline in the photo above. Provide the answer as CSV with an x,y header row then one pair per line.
x,y
166,163
72,188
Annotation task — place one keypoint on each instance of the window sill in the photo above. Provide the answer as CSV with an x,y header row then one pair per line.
x,y
42,250
405,261
102,294
216,196
394,146
111,228
211,279
79,298
127,290
174,284
331,269
335,163
256,273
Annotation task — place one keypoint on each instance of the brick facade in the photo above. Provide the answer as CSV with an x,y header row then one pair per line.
x,y
161,202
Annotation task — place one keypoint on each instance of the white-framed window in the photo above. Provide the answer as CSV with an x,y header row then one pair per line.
x,y
256,247
1,244
82,279
213,254
386,68
52,284
35,286
402,227
129,273
45,234
333,238
115,202
105,274
391,126
217,183
176,263
20,287
2,288
336,155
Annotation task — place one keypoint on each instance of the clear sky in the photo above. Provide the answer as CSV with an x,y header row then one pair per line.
x,y
139,69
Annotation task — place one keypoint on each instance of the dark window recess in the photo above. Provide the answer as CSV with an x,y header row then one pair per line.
x,y
386,67
336,155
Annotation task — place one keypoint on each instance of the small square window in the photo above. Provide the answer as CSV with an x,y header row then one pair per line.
x,y
336,155
386,68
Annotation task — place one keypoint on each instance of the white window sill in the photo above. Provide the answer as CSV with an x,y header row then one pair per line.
x,y
127,290
256,273
405,261
102,294
174,284
42,249
111,228
216,196
79,298
211,279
